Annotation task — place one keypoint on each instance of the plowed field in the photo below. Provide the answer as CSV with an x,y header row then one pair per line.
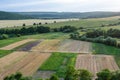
x,y
96,63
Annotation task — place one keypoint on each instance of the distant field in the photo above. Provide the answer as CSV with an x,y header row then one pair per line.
x,y
87,23
15,23
113,27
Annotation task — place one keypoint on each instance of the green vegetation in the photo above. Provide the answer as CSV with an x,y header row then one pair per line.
x,y
64,15
52,35
73,74
11,16
55,35
17,76
85,23
99,36
9,41
58,62
107,50
5,52
9,33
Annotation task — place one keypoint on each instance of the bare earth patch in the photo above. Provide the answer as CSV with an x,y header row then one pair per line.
x,y
75,46
43,74
27,65
72,46
14,45
96,63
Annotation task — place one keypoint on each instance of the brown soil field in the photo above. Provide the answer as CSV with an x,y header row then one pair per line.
x,y
47,46
96,63
63,46
14,45
27,65
75,46
11,59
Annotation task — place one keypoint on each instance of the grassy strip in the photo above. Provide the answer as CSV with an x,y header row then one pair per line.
x,y
107,50
5,52
6,42
56,35
59,62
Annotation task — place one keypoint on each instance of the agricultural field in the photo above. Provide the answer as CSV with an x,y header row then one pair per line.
x,y
25,62
75,46
42,55
107,50
96,63
18,23
111,27
67,45
14,45
47,46
58,62
87,23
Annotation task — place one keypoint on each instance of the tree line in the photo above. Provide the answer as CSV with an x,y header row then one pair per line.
x,y
8,33
99,36
73,74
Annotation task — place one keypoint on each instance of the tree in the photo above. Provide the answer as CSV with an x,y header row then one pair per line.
x,y
54,77
34,24
85,75
70,73
24,24
104,75
115,75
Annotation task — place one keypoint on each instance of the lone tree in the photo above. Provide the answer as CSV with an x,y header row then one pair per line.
x,y
24,24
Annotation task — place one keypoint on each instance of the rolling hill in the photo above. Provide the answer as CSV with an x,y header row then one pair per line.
x,y
12,16
55,15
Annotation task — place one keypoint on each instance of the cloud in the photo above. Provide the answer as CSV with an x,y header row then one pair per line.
x,y
61,5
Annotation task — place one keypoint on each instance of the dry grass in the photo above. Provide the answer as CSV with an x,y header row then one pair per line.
x,y
12,23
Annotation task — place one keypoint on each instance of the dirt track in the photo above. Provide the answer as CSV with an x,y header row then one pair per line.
x,y
27,65
96,63
14,45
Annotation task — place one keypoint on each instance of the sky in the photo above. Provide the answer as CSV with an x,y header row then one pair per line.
x,y
59,5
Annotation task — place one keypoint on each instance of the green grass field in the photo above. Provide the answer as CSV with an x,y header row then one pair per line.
x,y
59,62
107,50
5,52
86,23
6,42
